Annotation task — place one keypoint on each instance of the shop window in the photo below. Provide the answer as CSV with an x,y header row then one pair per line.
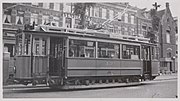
x,y
130,52
108,50
81,48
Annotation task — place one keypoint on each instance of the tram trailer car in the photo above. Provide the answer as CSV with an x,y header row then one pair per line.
x,y
61,57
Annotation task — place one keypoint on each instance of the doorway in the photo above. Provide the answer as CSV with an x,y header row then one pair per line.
x,y
56,58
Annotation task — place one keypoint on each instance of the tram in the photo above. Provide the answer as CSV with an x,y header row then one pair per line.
x,y
61,57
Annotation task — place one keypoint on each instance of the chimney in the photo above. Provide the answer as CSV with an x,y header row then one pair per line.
x,y
167,4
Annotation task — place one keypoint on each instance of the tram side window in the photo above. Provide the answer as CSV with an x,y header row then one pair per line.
x,y
19,45
27,48
108,50
40,45
81,48
130,52
44,46
36,44
154,52
146,52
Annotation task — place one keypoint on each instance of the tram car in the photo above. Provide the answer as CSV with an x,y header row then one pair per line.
x,y
61,57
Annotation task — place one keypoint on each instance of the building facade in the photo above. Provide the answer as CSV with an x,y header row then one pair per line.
x,y
167,41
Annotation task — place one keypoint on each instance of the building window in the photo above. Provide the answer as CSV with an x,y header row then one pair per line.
x,y
67,7
40,4
34,18
168,36
19,17
35,4
108,50
169,55
46,5
55,21
7,17
126,18
163,64
96,12
100,12
111,29
132,19
77,23
68,22
130,52
81,48
107,14
117,29
92,11
126,31
51,6
45,20
56,6
103,13
111,14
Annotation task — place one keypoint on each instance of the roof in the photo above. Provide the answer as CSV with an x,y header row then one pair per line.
x,y
160,13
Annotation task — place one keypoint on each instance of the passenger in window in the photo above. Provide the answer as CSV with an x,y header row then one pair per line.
x,y
71,53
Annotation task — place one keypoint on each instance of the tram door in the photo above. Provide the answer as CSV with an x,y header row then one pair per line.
x,y
56,58
146,56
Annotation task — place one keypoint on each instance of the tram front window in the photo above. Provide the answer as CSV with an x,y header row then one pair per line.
x,y
81,48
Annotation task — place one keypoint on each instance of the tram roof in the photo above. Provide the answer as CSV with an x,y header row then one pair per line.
x,y
65,32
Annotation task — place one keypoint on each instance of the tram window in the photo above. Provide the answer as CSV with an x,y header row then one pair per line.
x,y
19,44
36,44
27,48
108,50
130,52
44,46
145,52
81,48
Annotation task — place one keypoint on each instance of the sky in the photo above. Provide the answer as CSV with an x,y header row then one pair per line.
x,y
173,4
